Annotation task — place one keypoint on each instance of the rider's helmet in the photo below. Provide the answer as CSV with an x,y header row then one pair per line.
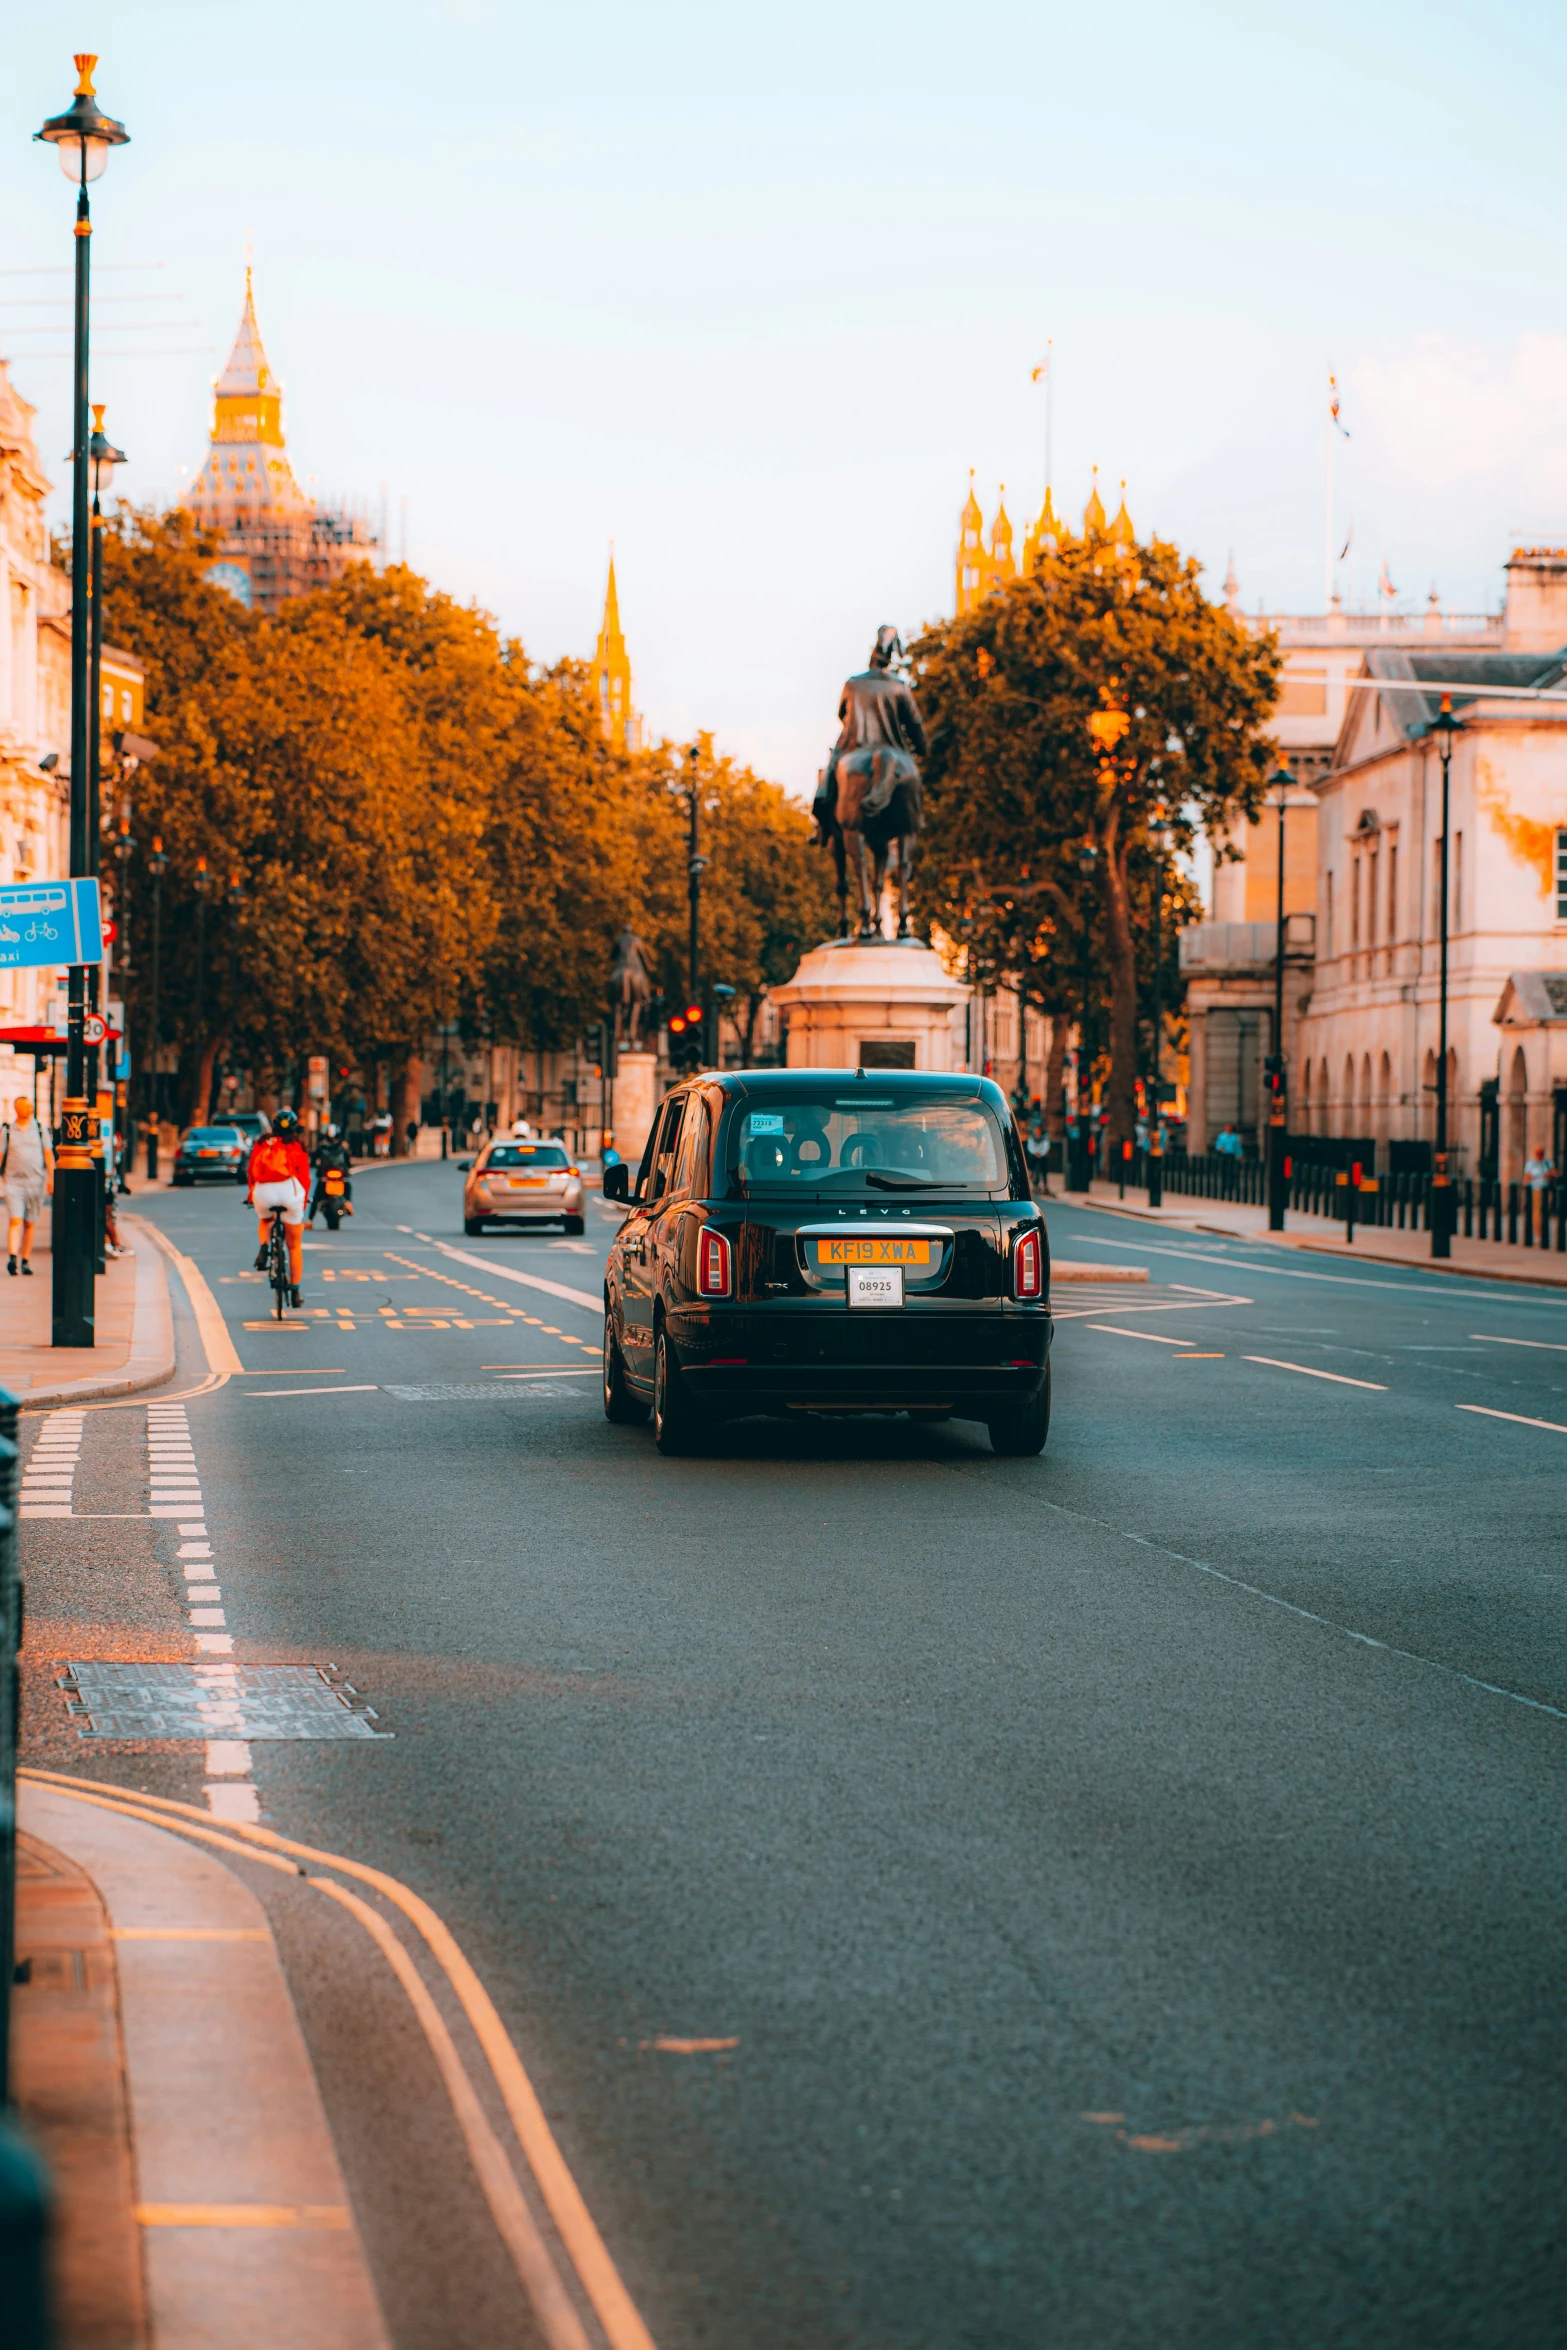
x,y
286,1122
331,1134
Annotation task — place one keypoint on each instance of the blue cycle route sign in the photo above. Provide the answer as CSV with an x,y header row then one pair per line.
x,y
49,922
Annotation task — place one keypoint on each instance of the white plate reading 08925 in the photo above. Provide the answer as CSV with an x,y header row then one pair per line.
x,y
874,1285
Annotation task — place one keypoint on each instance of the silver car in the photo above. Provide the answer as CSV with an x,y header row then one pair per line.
x,y
514,1182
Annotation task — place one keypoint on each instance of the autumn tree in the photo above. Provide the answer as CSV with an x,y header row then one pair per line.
x,y
1072,716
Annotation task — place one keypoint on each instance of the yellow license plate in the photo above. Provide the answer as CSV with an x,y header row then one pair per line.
x,y
849,1251
529,1182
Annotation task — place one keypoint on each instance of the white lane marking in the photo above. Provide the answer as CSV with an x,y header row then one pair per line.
x,y
214,1643
228,1758
233,1799
1546,1345
1521,1418
259,1394
1440,1284
1153,1338
587,1373
1409,1656
1338,1378
212,1617
463,1256
196,1530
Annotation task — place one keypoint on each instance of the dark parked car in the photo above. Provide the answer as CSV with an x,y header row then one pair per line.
x,y
211,1154
813,1241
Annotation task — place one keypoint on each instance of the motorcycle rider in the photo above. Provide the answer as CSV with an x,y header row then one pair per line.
x,y
332,1151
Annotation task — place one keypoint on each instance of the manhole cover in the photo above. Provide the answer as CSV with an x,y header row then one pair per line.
x,y
210,1701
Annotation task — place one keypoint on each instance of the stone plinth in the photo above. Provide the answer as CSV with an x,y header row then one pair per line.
x,y
875,1004
635,1100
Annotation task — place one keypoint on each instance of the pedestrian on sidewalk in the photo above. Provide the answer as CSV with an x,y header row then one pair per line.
x,y
1036,1149
1539,1174
1228,1144
27,1164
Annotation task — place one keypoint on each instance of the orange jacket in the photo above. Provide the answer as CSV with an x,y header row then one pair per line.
x,y
296,1163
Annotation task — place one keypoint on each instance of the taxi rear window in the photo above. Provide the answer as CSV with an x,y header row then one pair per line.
x,y
844,1138
527,1154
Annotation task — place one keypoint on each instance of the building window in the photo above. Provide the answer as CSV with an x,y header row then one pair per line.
x,y
1354,900
1458,880
1372,870
1561,876
1328,913
1392,888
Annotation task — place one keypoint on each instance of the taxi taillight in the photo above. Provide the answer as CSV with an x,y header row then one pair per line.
x,y
715,1265
1028,1264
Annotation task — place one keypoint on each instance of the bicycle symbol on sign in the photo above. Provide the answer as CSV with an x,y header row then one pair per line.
x,y
39,930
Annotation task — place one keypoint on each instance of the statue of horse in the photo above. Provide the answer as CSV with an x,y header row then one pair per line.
x,y
870,794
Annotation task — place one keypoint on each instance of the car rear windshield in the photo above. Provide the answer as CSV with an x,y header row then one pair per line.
x,y
850,1138
207,1134
527,1154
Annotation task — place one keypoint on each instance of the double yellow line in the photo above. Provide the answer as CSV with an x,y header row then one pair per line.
x,y
559,2322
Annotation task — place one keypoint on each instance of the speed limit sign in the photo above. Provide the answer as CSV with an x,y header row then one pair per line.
x,y
94,1028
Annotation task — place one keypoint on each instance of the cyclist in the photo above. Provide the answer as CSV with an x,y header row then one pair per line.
x,y
332,1151
278,1176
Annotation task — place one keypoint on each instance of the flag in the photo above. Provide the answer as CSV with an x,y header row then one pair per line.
x,y
1042,369
1348,543
1385,586
1333,406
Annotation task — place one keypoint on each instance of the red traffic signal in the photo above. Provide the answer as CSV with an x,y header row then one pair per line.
x,y
694,1015
677,1026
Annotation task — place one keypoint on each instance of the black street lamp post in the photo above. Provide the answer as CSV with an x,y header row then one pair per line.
x,y
1087,866
82,138
1156,1103
696,865
1278,1094
157,864
104,457
235,893
1444,726
203,882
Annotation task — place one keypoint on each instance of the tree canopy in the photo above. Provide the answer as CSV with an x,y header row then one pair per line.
x,y
1085,724
407,822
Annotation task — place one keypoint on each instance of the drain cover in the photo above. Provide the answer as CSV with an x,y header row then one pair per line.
x,y
210,1701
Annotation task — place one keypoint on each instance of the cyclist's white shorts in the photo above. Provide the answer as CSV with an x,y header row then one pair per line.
x,y
289,1195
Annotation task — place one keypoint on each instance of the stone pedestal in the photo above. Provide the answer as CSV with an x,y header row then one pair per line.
x,y
874,1004
636,1100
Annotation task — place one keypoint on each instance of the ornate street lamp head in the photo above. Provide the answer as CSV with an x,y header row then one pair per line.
x,y
83,135
1444,725
103,454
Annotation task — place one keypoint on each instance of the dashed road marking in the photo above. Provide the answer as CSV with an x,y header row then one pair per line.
x,y
1338,1378
1522,1418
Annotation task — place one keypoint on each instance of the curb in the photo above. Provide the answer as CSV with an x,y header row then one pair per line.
x,y
241,2207
152,1337
1321,1246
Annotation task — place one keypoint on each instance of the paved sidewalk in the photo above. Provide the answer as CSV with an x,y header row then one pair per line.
x,y
1493,1260
234,2198
134,1327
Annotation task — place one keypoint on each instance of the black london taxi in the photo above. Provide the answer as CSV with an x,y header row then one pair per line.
x,y
825,1241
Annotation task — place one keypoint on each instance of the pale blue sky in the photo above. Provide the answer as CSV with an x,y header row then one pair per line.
x,y
750,289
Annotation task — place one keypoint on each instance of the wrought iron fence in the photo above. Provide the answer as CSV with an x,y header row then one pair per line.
x,y
1522,1214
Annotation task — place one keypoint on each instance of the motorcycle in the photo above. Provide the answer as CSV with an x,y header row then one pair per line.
x,y
334,1204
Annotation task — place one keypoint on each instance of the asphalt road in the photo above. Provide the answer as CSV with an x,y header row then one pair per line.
x,y
1127,1884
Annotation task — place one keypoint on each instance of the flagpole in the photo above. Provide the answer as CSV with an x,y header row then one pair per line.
x,y
1327,541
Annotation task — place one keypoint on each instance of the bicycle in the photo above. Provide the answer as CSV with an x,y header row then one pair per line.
x,y
277,1262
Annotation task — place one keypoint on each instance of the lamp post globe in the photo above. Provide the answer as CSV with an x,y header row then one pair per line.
x,y
82,137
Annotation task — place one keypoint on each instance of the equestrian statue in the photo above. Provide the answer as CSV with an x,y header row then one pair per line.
x,y
869,796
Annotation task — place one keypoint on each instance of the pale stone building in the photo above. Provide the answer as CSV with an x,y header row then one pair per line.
x,y
1362,954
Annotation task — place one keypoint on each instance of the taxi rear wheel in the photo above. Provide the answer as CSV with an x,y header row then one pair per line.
x,y
473,1226
677,1422
620,1405
1020,1433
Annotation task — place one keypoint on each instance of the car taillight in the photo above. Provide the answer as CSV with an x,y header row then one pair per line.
x,y
1028,1265
714,1264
